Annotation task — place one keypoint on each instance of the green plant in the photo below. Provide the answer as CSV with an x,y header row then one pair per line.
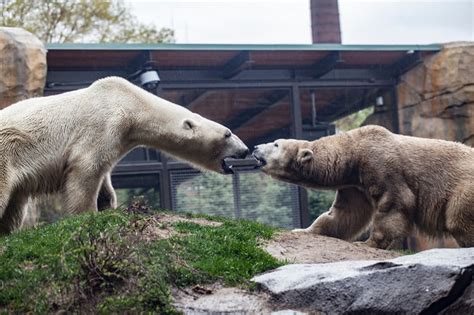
x,y
100,262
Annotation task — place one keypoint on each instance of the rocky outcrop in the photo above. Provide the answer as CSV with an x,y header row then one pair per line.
x,y
436,98
22,66
430,282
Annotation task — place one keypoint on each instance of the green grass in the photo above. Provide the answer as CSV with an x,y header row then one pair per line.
x,y
98,263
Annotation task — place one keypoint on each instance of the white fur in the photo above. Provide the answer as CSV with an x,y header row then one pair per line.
x,y
69,143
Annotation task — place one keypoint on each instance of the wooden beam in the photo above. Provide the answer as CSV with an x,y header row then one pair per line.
x,y
261,105
347,108
139,62
404,64
326,64
237,64
190,99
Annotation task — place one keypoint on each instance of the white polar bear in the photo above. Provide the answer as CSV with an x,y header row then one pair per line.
x,y
69,143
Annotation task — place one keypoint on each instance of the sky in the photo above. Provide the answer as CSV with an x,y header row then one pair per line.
x,y
288,21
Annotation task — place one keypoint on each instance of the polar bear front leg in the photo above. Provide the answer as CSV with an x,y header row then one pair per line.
x,y
5,187
80,192
5,192
14,214
388,228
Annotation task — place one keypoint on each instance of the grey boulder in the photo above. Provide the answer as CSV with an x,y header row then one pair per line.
x,y
429,282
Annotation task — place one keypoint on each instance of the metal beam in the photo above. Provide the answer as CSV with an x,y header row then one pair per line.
x,y
326,64
394,110
237,64
195,79
235,84
262,104
300,210
219,85
204,74
411,60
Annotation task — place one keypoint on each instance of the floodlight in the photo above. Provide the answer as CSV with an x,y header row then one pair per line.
x,y
149,80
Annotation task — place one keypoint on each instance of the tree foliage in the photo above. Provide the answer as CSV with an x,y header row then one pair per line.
x,y
92,21
354,120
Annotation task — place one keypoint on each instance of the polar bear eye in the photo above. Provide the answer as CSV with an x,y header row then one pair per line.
x,y
188,124
228,134
275,144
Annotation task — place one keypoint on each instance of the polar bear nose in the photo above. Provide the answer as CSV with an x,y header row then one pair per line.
x,y
244,153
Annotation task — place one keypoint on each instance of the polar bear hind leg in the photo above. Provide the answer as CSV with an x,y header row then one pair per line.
x,y
460,215
107,198
14,214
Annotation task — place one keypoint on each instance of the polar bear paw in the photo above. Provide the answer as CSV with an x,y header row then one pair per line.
x,y
299,231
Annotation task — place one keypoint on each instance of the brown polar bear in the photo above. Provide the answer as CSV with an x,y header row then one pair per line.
x,y
69,143
394,181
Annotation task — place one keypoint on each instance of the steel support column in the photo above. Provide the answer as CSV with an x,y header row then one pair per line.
x,y
237,197
165,185
297,132
394,110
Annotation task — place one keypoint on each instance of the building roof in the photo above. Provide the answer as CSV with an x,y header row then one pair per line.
x,y
202,55
249,88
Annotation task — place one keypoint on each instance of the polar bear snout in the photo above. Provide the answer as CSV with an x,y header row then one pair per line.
x,y
259,155
239,149
242,154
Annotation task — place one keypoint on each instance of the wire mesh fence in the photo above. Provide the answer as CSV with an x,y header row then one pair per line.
x,y
249,195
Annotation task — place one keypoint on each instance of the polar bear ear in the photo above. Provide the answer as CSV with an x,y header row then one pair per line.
x,y
305,155
188,124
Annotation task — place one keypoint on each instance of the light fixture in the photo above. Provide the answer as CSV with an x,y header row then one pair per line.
x,y
379,101
149,80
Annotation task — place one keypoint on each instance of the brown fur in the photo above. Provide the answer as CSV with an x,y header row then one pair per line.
x,y
396,182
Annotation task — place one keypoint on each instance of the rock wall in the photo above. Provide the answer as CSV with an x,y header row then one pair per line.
x,y
22,66
22,75
436,99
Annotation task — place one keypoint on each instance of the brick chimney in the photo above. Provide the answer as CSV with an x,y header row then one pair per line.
x,y
325,26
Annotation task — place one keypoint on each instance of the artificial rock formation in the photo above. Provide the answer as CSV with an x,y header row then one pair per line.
x,y
437,281
436,98
22,66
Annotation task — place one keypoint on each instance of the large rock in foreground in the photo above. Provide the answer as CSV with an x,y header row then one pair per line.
x,y
438,280
22,66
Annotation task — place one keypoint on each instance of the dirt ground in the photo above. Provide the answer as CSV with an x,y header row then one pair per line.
x,y
160,226
292,247
216,299
306,248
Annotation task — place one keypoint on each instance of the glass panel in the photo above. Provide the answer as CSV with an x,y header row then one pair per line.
x,y
320,108
266,200
249,195
146,187
126,196
141,155
204,193
319,201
